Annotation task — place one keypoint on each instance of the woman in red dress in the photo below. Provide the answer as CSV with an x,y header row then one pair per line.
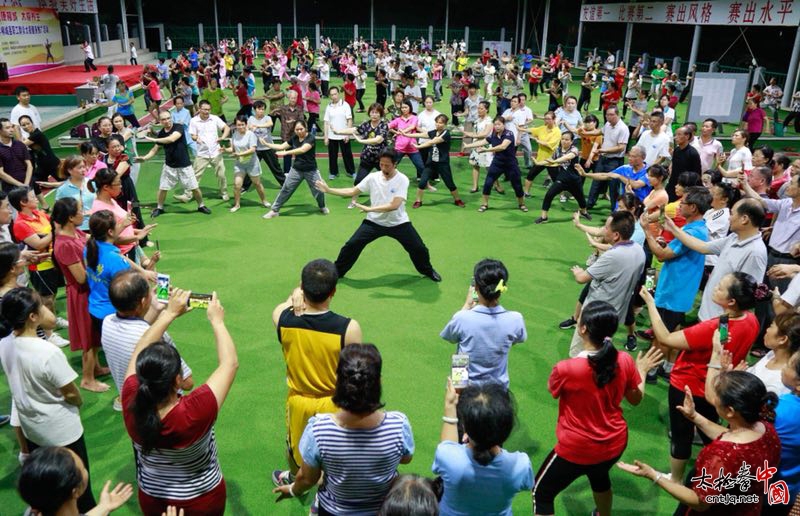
x,y
738,452
68,251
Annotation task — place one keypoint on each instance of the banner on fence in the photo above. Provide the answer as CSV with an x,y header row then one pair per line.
x,y
500,46
62,6
720,12
30,39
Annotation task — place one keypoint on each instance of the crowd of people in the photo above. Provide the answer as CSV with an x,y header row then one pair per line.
x,y
681,218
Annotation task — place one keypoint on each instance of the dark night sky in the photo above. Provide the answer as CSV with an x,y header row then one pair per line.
x,y
772,47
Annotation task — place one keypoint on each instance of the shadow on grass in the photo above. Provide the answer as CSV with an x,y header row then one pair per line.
x,y
419,288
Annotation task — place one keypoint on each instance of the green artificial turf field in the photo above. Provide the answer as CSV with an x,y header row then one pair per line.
x,y
254,264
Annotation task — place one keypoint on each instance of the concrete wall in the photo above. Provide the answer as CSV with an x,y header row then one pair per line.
x,y
74,53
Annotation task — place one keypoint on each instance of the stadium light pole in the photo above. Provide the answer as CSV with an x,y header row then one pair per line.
x,y
216,23
294,5
791,76
516,30
446,18
371,22
124,26
544,30
522,38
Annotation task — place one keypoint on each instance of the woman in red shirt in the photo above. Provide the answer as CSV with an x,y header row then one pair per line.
x,y
750,440
173,435
349,88
736,293
755,117
591,431
610,97
245,102
68,251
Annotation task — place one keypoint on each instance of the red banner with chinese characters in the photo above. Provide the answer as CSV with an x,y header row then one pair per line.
x,y
726,12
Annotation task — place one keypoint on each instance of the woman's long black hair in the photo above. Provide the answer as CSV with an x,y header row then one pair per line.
x,y
157,366
100,224
601,322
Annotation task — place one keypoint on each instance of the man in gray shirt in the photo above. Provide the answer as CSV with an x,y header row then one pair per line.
x,y
741,251
615,274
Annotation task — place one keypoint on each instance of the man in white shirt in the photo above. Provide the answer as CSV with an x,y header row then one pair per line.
x,y
136,308
386,216
422,78
772,98
338,116
108,82
655,141
413,93
710,148
24,107
88,62
168,47
205,129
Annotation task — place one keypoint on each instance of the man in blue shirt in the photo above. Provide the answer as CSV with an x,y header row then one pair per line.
x,y
193,61
182,116
633,174
251,81
683,268
527,60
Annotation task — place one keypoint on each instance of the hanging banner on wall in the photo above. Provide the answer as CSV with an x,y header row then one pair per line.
x,y
30,39
762,13
62,6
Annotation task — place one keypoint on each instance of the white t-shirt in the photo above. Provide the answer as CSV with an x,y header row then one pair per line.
x,y
324,72
521,117
422,78
381,192
88,51
718,223
109,84
562,115
740,159
134,55
426,121
770,377
36,370
655,146
20,110
207,132
792,293
413,91
361,80
336,116
168,44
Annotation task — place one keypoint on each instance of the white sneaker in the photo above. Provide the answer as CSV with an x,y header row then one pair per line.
x,y
58,340
324,211
225,196
563,198
235,209
117,404
271,214
181,198
61,323
351,205
267,204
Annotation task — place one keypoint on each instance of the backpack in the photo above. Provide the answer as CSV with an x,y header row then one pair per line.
x,y
80,131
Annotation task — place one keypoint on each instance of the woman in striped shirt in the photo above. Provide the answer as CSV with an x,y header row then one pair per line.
x,y
359,447
173,435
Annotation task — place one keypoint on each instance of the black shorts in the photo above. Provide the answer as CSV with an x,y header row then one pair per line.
x,y
97,325
671,319
47,282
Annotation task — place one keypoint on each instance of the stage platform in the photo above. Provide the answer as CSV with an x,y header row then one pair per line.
x,y
64,79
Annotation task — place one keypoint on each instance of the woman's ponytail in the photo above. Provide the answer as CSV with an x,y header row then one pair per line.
x,y
604,363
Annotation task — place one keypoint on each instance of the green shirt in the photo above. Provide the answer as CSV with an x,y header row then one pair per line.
x,y
658,73
215,99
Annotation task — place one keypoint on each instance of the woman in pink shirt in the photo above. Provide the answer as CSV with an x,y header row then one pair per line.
x,y
755,118
312,99
90,154
404,145
436,75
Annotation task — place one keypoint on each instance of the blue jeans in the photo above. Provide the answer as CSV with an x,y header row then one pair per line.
x,y
598,188
416,159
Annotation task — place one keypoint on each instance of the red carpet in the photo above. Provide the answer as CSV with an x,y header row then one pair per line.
x,y
63,80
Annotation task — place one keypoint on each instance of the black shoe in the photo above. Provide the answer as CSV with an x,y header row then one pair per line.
x,y
540,220
652,376
660,371
547,183
585,215
435,276
567,324
645,334
204,209
630,343
155,213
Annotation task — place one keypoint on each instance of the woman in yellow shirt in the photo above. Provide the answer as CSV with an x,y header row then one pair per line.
x,y
461,62
547,138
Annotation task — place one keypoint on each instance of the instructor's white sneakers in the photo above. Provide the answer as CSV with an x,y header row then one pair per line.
x,y
325,210
271,214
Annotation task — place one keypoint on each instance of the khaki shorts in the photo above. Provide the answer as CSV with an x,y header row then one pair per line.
x,y
172,176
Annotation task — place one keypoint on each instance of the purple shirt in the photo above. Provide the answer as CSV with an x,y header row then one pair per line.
x,y
12,159
786,229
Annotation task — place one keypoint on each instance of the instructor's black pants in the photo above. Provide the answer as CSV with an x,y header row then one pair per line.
x,y
369,231
334,147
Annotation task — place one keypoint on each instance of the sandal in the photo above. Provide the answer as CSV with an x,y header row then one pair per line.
x,y
483,208
523,208
474,190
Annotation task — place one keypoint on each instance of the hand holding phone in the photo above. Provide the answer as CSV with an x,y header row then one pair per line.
x,y
459,374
